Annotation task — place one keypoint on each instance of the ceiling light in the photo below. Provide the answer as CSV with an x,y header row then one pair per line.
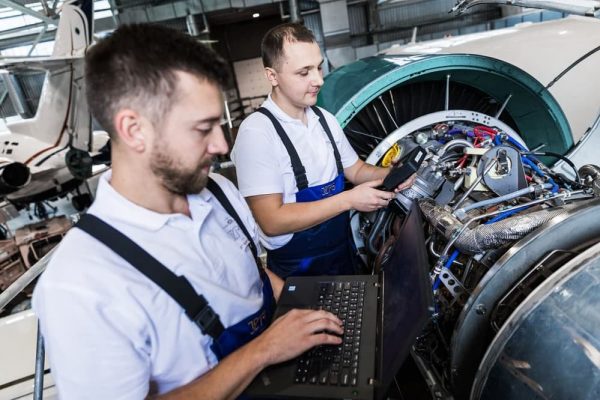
x,y
255,15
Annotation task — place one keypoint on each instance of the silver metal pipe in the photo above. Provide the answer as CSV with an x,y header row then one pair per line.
x,y
37,39
45,7
457,233
294,11
40,355
490,236
459,182
3,96
114,12
453,143
447,101
379,118
11,31
503,106
388,112
379,138
437,255
529,189
28,11
474,185
21,283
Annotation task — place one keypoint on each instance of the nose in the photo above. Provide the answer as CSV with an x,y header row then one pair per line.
x,y
218,143
317,77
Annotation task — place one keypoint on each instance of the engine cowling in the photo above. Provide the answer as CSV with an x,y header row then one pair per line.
x,y
13,176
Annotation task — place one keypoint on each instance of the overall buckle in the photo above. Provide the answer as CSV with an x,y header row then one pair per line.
x,y
209,322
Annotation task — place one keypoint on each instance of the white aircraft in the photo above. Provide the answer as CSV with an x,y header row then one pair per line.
x,y
49,155
579,7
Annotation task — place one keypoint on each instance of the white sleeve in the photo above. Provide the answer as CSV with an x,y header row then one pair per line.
x,y
255,158
347,153
95,351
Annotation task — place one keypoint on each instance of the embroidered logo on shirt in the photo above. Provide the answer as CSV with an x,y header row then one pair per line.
x,y
258,322
233,230
328,190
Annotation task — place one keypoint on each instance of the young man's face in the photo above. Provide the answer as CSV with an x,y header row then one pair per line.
x,y
189,136
297,77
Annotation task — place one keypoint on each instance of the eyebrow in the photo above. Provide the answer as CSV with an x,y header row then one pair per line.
x,y
310,66
207,120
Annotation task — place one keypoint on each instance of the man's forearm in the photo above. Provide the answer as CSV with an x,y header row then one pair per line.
x,y
362,172
287,337
226,381
295,217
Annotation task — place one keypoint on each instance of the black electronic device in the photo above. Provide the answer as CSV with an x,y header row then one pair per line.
x,y
382,314
409,165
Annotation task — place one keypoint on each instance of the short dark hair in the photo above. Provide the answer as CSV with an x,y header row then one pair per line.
x,y
136,67
273,41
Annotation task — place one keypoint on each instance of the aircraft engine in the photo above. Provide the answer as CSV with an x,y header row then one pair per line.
x,y
13,176
501,224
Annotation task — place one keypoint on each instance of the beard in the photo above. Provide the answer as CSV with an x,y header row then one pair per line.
x,y
174,177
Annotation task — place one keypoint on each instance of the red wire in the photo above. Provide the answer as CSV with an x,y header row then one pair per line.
x,y
481,131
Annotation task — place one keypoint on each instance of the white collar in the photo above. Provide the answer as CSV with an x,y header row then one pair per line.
x,y
114,205
281,115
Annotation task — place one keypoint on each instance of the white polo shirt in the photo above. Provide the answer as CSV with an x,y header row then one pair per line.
x,y
263,165
110,332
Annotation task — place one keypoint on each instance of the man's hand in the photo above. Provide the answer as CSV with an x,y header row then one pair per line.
x,y
406,184
365,197
288,336
295,332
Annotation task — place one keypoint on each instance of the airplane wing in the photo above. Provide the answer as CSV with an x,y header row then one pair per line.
x,y
16,65
579,7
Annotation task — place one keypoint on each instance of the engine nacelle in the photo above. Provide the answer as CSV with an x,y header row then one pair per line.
x,y
13,176
501,220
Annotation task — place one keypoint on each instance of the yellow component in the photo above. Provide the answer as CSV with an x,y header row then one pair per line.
x,y
392,154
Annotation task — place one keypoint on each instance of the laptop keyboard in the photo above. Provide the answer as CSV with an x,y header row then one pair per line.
x,y
336,365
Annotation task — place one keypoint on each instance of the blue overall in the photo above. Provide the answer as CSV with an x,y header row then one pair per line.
x,y
225,341
235,336
324,249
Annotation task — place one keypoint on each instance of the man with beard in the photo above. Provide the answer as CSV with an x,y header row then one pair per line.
x,y
291,161
158,290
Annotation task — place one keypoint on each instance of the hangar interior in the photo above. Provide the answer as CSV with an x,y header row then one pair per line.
x,y
504,101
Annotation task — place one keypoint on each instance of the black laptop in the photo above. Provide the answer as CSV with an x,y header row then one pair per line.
x,y
382,314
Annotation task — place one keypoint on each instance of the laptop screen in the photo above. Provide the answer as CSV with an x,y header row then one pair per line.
x,y
407,296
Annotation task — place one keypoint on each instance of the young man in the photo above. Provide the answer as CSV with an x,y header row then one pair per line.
x,y
178,307
291,159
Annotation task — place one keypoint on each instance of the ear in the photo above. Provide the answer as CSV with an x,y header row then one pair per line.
x,y
131,128
271,75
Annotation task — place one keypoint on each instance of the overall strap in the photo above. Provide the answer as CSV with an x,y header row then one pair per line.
x,y
178,287
297,167
336,153
220,195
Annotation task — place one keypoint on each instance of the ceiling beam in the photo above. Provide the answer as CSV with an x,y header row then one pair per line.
x,y
28,11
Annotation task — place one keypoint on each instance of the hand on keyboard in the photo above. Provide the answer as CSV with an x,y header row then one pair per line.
x,y
297,331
